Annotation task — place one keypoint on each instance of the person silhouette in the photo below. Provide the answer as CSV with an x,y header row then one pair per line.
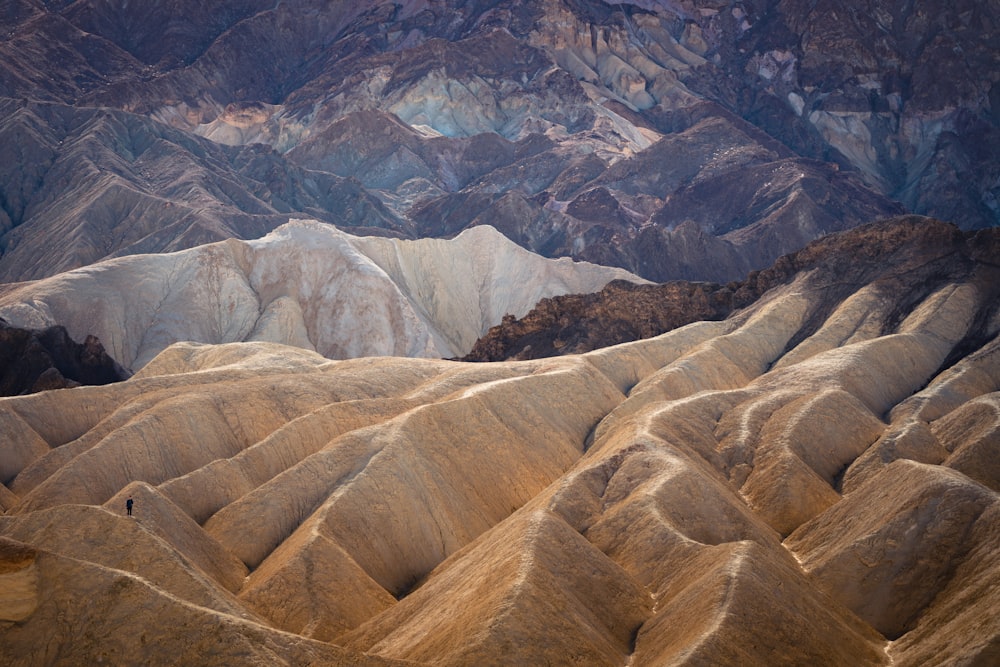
x,y
128,505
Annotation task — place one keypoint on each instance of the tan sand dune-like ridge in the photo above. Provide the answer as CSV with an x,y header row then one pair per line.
x,y
807,482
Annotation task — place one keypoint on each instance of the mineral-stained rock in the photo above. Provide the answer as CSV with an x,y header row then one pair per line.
x,y
139,186
19,579
678,140
904,94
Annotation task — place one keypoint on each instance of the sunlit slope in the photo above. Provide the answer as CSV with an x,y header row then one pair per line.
x,y
812,481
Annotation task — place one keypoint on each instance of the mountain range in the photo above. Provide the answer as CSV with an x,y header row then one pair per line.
x,y
440,332
679,139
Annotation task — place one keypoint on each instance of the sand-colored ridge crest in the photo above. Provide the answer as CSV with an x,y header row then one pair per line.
x,y
18,581
810,481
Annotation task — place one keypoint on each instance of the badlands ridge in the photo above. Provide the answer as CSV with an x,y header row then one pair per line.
x,y
811,481
306,284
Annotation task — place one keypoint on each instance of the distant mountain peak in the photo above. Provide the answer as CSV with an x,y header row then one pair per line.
x,y
449,114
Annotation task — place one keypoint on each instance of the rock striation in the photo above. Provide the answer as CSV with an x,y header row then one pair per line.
x,y
306,284
906,94
811,480
678,140
92,184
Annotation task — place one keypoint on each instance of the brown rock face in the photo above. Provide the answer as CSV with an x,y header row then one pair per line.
x,y
619,313
38,360
885,255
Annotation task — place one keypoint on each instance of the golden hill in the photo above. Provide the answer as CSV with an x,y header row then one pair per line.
x,y
733,492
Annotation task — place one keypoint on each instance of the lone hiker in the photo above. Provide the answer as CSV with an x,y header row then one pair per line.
x,y
128,505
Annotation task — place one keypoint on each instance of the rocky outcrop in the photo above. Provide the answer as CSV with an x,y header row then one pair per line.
x,y
306,284
707,202
882,256
619,313
808,481
904,94
36,360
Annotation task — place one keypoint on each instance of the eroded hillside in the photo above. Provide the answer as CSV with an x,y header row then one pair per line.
x,y
306,284
692,139
811,481
905,258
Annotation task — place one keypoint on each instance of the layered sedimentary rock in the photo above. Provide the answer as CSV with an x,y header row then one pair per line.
x,y
85,185
909,95
689,140
808,481
306,284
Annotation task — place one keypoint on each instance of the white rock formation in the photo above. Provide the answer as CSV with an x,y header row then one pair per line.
x,y
306,284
